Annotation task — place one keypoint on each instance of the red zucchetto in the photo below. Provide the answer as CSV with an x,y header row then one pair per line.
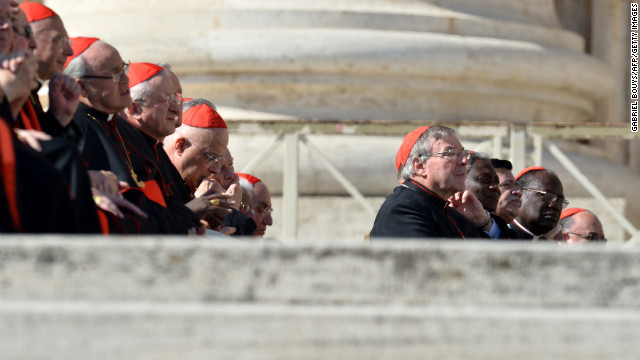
x,y
141,72
79,45
407,144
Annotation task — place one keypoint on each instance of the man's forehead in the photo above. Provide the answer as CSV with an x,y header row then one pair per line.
x,y
505,174
482,165
161,84
4,7
449,141
543,180
102,56
51,24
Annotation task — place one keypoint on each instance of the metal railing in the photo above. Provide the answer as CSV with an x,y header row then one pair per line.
x,y
294,132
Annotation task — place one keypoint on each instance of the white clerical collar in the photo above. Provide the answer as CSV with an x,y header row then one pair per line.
x,y
110,117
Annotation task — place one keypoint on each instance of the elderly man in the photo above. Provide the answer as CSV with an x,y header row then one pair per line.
x,y
434,173
101,73
153,114
52,47
542,202
197,149
33,195
261,202
483,182
510,195
580,226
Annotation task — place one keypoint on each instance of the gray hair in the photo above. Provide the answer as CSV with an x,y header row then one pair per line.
x,y
422,147
475,156
77,68
196,102
245,185
144,89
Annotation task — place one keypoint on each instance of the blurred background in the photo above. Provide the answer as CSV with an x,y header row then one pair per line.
x,y
508,75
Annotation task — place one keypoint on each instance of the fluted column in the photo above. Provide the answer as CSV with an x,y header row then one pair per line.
x,y
358,59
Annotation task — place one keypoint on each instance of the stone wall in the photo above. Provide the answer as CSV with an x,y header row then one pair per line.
x,y
168,298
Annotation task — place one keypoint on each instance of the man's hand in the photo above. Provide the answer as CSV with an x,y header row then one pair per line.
x,y
208,187
205,205
234,192
112,204
32,138
107,182
18,75
64,95
468,205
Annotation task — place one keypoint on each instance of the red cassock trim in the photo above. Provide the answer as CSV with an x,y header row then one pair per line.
x,y
154,192
9,178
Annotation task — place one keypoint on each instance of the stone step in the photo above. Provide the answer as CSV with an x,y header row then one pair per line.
x,y
142,330
159,270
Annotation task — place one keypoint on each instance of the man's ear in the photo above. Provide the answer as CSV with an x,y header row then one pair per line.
x,y
81,84
419,166
180,145
134,110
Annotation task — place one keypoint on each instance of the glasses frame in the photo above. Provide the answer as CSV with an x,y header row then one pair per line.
x,y
450,154
115,77
211,159
175,98
588,236
549,197
267,211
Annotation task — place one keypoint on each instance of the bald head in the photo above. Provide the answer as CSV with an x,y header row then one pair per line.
x,y
582,227
197,153
104,84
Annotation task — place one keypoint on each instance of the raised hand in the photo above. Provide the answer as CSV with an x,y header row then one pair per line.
x,y
64,96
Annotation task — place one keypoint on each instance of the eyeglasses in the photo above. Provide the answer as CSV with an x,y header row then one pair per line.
x,y
25,33
175,98
451,154
590,236
61,40
266,210
551,198
116,77
211,159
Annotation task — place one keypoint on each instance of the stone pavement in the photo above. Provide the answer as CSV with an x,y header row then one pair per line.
x,y
169,298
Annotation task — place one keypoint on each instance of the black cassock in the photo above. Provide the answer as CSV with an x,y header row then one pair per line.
x,y
102,147
413,211
34,197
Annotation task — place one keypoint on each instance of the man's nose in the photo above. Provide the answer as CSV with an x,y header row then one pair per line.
x,y
267,220
214,167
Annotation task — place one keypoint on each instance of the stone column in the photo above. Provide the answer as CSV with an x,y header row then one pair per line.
x,y
359,59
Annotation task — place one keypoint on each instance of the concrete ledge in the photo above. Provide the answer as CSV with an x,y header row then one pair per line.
x,y
257,331
406,273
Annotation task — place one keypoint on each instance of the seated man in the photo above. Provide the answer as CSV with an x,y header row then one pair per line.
x,y
542,202
195,149
51,49
261,202
33,195
483,182
580,226
510,195
102,76
153,114
434,175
